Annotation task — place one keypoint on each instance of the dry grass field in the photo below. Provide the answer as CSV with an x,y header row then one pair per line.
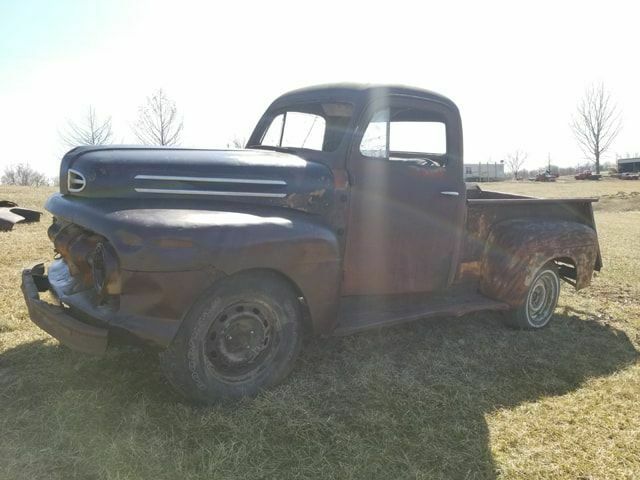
x,y
448,398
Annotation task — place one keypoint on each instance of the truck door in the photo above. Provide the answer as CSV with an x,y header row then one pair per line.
x,y
407,198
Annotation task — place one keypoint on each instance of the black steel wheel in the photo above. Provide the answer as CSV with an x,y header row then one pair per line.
x,y
242,338
540,302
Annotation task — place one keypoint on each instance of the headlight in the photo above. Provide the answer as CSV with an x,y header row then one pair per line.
x,y
104,271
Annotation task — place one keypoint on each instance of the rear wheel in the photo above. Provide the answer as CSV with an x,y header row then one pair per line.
x,y
540,302
242,338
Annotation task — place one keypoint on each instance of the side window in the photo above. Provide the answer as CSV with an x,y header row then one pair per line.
x,y
418,137
405,134
374,140
296,130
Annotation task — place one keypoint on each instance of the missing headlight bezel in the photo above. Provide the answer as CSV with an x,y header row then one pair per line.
x,y
105,271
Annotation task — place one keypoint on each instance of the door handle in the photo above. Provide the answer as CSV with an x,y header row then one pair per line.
x,y
450,194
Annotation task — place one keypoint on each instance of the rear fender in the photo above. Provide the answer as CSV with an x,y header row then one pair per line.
x,y
516,249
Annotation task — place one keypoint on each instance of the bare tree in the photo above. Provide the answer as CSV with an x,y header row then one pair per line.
x,y
237,142
22,174
158,122
91,131
597,123
515,161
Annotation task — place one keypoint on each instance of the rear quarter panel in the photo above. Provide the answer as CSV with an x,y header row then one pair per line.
x,y
508,238
516,249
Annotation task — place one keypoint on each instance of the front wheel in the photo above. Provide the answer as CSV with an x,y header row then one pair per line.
x,y
541,300
244,337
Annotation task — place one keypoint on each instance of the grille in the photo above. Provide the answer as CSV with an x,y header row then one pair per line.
x,y
75,181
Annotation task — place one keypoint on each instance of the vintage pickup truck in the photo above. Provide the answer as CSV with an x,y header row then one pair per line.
x,y
346,211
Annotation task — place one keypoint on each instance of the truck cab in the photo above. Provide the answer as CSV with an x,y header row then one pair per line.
x,y
347,210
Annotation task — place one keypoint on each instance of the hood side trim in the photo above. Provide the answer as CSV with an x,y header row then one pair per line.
x,y
249,181
210,192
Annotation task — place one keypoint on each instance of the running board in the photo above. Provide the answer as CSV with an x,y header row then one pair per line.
x,y
360,313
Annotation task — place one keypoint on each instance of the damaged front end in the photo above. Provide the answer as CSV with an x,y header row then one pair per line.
x,y
86,263
100,302
55,319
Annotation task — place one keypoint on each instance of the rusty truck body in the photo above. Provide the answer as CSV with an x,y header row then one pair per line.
x,y
347,210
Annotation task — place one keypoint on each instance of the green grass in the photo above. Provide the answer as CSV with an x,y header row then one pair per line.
x,y
448,398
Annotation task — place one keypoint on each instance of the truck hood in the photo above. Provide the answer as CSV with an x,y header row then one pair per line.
x,y
253,176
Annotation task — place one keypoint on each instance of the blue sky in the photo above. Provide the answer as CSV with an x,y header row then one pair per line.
x,y
32,31
515,69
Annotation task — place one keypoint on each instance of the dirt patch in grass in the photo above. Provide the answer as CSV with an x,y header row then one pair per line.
x,y
447,398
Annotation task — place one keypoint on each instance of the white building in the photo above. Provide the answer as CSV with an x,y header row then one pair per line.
x,y
484,172
628,165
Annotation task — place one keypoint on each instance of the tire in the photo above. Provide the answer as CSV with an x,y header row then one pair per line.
x,y
540,302
241,339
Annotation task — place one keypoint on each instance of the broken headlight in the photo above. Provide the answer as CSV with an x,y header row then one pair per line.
x,y
104,271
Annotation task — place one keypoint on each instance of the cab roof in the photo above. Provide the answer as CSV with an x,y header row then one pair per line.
x,y
356,93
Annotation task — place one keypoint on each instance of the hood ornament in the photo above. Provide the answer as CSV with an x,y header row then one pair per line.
x,y
75,181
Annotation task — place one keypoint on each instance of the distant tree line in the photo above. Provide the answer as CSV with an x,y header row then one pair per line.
x,y
524,173
22,174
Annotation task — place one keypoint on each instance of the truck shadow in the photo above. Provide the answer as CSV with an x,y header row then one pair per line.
x,y
395,403
424,391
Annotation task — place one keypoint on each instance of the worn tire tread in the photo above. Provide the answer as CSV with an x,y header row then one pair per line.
x,y
516,318
174,361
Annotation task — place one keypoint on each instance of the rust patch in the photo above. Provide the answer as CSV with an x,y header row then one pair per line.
x,y
468,271
515,250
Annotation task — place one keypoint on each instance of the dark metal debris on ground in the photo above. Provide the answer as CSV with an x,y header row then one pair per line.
x,y
10,214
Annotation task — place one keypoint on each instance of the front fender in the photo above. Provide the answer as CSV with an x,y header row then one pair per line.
x,y
230,238
516,249
297,246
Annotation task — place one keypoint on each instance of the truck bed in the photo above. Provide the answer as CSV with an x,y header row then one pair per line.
x,y
478,196
488,208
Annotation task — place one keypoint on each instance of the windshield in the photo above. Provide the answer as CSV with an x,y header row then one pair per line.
x,y
313,126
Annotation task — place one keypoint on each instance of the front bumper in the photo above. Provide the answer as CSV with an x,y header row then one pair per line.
x,y
55,320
